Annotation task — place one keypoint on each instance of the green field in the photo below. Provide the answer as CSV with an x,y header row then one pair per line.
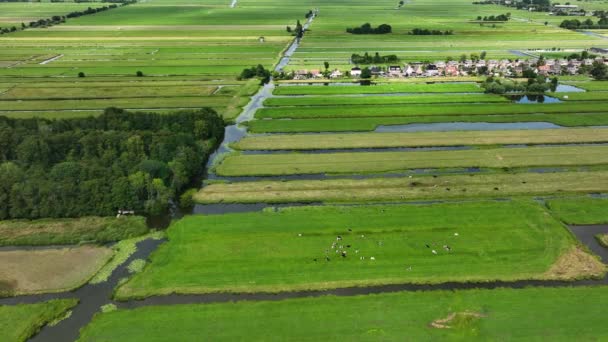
x,y
367,100
380,89
371,123
70,231
559,314
369,162
409,188
419,139
580,210
19,322
287,249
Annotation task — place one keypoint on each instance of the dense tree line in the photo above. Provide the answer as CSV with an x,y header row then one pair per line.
x,y
98,165
368,29
536,84
376,58
427,32
256,71
576,24
500,17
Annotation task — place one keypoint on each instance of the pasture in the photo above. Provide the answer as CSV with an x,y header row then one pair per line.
x,y
377,162
50,270
582,211
304,248
558,314
418,187
421,139
19,322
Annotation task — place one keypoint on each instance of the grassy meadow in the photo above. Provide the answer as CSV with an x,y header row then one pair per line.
x,y
559,314
377,162
416,187
19,322
304,248
580,210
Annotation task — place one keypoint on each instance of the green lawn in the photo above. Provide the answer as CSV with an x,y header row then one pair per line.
x,y
406,188
369,162
556,314
19,322
70,231
580,210
264,251
417,139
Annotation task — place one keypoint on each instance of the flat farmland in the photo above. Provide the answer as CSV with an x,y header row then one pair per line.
x,y
425,187
372,123
371,162
326,247
475,315
421,139
380,89
50,270
165,41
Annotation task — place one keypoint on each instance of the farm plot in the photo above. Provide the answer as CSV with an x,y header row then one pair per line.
x,y
49,270
580,210
380,100
380,89
558,314
372,123
370,162
327,247
19,322
423,188
420,139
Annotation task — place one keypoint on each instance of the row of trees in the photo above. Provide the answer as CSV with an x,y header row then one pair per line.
x,y
576,24
427,32
95,166
256,71
536,84
368,29
500,17
375,59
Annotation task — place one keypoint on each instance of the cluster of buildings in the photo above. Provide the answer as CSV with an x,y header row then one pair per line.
x,y
502,67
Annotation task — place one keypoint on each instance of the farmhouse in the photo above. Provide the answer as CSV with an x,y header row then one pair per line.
x,y
394,70
355,72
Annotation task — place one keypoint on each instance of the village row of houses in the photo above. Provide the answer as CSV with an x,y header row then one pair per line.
x,y
503,67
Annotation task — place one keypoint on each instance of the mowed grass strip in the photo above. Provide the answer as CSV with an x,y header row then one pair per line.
x,y
425,109
559,314
291,249
368,100
371,123
420,139
414,188
370,162
584,210
20,322
50,270
380,89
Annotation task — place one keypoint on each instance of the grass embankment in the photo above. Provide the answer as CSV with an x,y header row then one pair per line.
x,y
381,100
404,188
425,109
380,89
70,231
20,322
603,239
557,314
49,270
584,210
420,139
122,251
591,85
291,249
371,123
370,162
